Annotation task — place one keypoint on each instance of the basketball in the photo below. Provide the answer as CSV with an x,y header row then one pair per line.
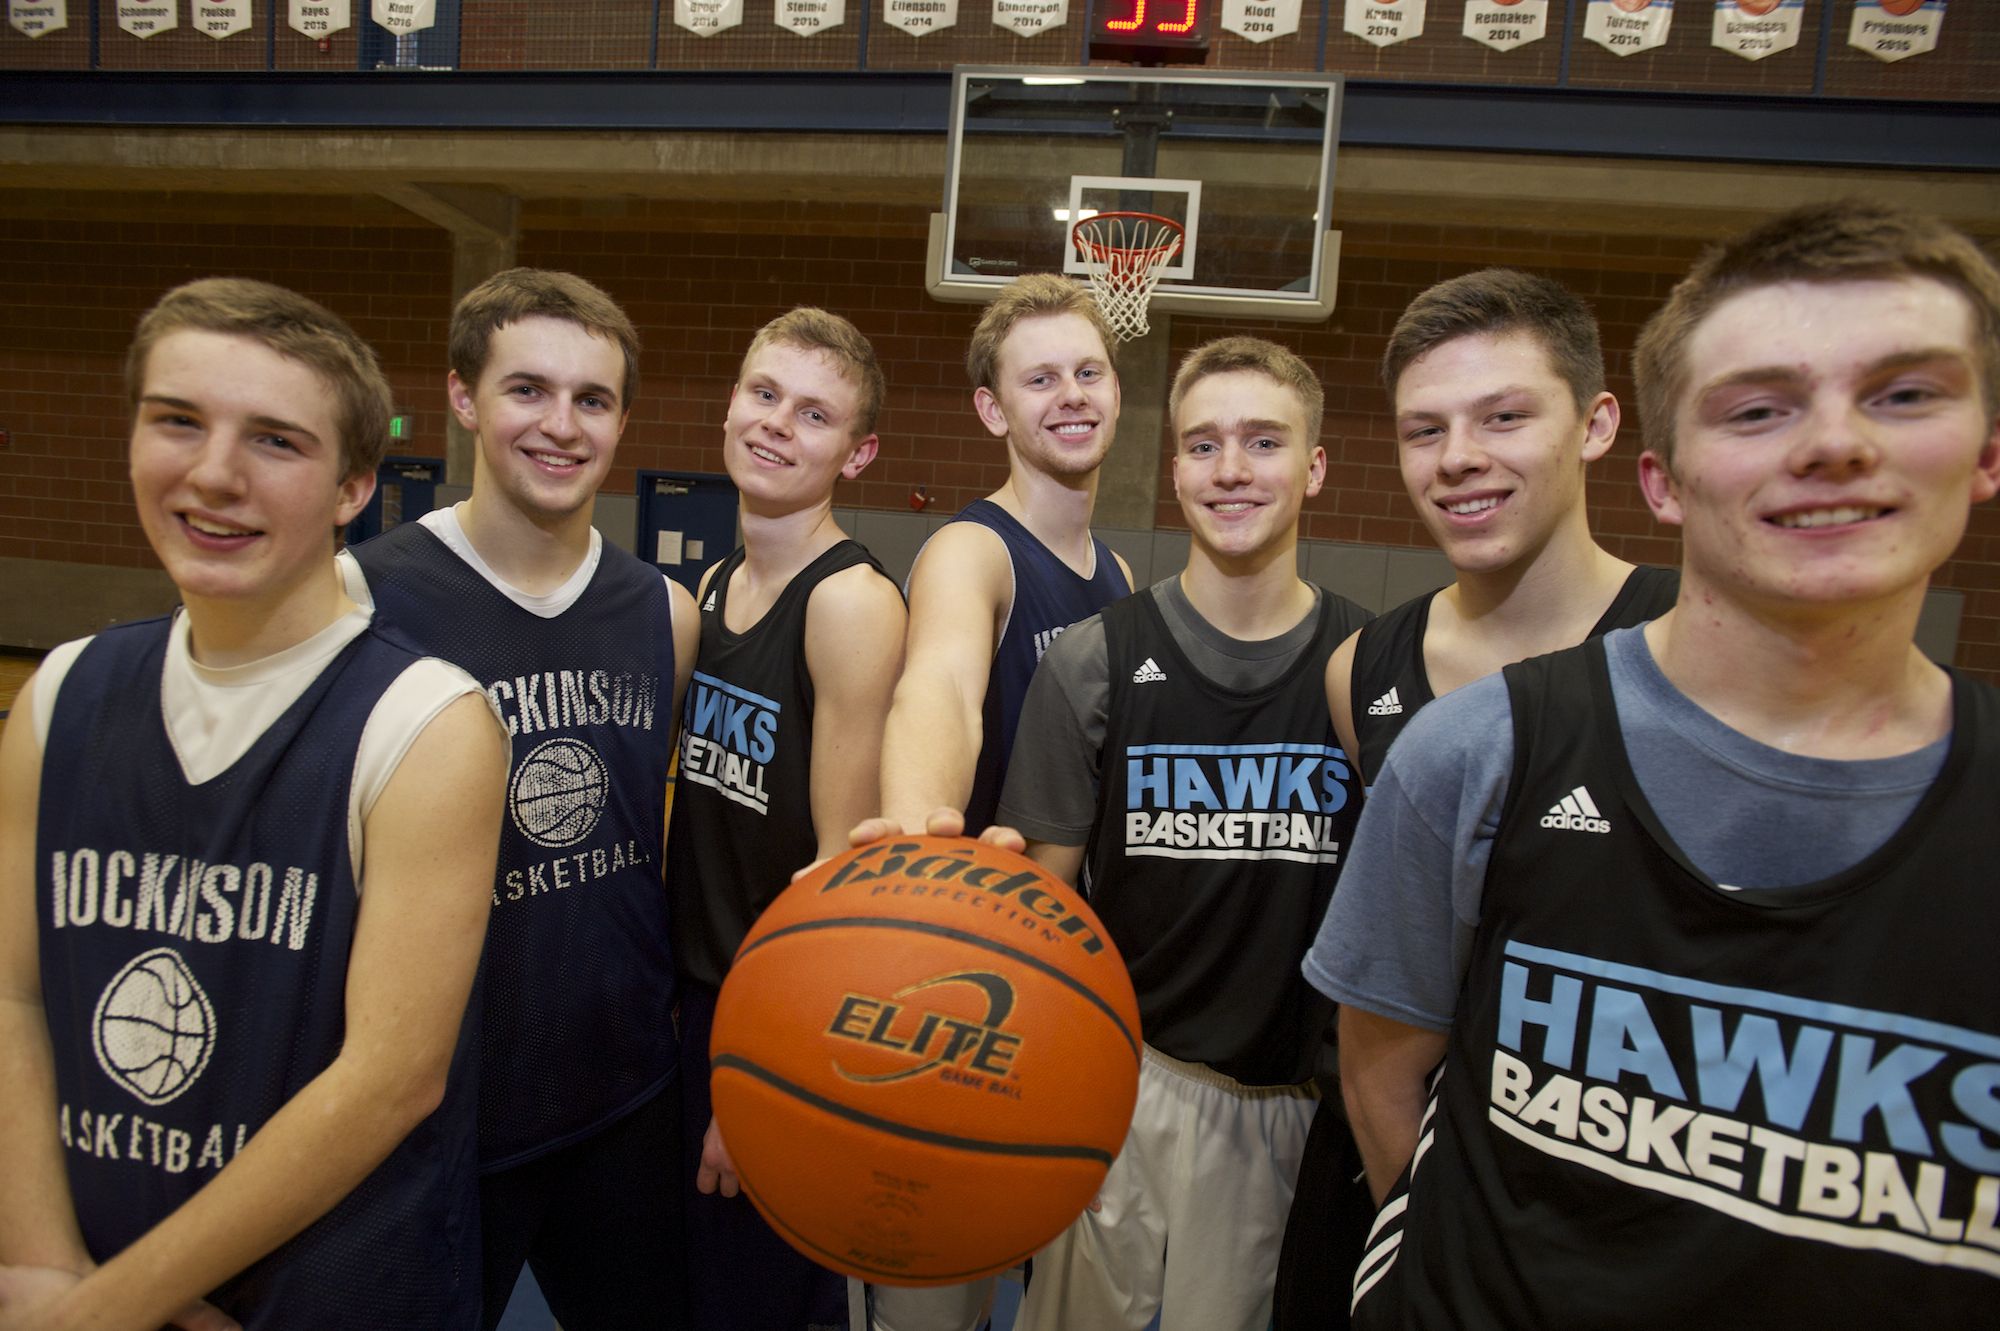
x,y
925,1058
154,1028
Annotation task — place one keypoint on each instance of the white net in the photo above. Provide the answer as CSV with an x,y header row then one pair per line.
x,y
1122,255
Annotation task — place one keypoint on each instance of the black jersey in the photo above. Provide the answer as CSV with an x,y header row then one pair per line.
x,y
1666,1104
1049,596
742,821
578,983
1222,817
194,948
1388,683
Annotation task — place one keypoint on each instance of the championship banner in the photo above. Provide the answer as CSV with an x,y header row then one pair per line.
x,y
1029,18
1506,24
705,18
143,19
1896,29
1627,27
221,18
1385,22
32,18
319,18
918,17
806,17
403,17
1754,29
1260,20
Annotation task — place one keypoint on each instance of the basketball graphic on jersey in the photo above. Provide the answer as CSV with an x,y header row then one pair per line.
x,y
558,793
154,1028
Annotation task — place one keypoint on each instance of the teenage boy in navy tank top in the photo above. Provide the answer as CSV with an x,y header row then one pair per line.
x,y
585,650
1699,915
1496,379
801,641
1175,758
989,593
245,856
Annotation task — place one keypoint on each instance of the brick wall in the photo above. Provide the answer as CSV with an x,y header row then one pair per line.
x,y
699,279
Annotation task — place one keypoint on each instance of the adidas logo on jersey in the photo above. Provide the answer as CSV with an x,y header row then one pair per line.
x,y
1386,705
1575,812
1149,673
709,604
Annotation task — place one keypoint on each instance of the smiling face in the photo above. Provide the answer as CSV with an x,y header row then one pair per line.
x,y
1492,447
790,432
547,415
1055,395
1830,442
236,465
1244,465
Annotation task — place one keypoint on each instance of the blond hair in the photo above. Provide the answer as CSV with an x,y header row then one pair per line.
x,y
810,328
1228,354
1030,297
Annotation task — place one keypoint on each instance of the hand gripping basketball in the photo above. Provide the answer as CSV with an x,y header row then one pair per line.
x,y
924,1060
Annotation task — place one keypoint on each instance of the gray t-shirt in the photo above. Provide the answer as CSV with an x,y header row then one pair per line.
x,y
1398,936
1051,790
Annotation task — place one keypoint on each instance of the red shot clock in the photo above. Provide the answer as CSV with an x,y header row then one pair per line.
x,y
1151,31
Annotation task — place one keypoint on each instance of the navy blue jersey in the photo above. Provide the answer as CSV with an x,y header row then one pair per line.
x,y
743,820
1049,596
194,949
577,1016
1222,817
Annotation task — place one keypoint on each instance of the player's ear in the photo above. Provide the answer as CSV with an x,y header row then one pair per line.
x,y
1986,471
1656,482
863,454
1600,426
355,492
990,415
1315,471
460,396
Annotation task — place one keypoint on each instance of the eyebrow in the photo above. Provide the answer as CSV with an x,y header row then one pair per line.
x,y
1482,403
805,399
540,380
1781,374
276,424
1259,426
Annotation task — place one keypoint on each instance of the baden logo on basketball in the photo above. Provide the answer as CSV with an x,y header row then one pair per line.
x,y
154,1027
558,792
934,1039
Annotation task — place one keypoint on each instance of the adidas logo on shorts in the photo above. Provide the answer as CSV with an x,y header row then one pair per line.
x,y
1386,705
1575,812
1149,673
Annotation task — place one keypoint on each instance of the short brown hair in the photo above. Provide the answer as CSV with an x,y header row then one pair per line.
x,y
1497,301
810,328
1226,354
1029,297
1847,241
294,327
528,293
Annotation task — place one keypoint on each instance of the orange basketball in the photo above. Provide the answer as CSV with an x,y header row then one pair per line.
x,y
924,1060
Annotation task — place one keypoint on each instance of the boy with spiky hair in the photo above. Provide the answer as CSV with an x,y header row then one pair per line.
x,y
245,855
585,651
1175,758
989,593
801,627
1696,914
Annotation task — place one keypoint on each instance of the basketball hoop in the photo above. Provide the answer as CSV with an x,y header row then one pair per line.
x,y
1122,255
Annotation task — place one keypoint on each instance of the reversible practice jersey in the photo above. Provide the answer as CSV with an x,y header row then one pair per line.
x,y
1388,683
577,1016
1049,596
1667,1104
742,822
194,953
1222,820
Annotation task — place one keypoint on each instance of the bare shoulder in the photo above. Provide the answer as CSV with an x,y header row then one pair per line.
x,y
962,560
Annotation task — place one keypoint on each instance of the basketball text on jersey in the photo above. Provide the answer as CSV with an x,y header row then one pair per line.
x,y
157,892
954,880
1865,1129
127,1136
1234,801
728,734
1045,638
566,699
